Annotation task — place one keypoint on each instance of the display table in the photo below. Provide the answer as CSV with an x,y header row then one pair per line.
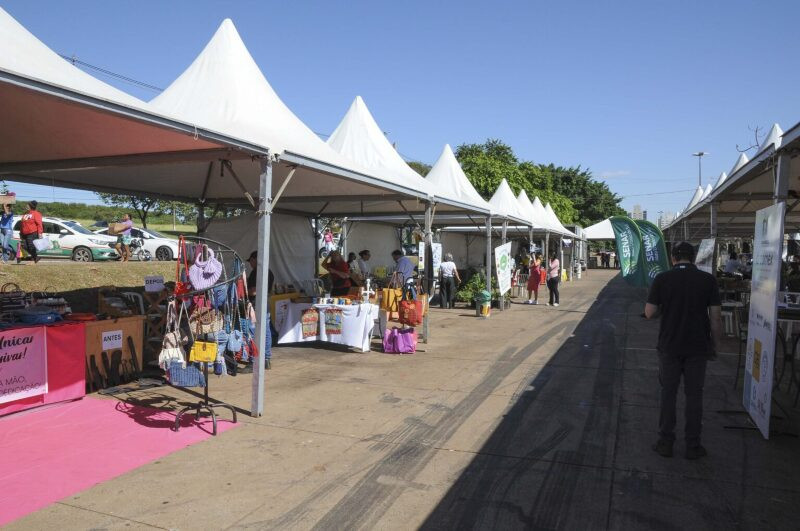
x,y
342,324
112,334
60,347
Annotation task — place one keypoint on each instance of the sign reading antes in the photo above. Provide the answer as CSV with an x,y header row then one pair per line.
x,y
23,364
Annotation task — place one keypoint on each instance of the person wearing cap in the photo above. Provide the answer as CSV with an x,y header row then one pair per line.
x,y
448,273
30,229
687,300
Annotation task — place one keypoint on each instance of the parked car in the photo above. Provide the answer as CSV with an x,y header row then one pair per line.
x,y
71,239
159,246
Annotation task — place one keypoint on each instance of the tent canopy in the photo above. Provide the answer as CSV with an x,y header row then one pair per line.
x,y
504,204
600,231
450,182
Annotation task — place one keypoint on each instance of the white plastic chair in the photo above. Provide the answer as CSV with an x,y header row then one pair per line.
x,y
136,299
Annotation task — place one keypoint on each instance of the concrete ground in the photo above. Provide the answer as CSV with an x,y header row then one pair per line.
x,y
538,418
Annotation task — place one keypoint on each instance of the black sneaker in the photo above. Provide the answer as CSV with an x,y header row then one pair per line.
x,y
695,452
663,448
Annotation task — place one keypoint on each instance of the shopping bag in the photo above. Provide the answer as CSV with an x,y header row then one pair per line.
x,y
182,375
405,341
43,244
204,351
411,312
389,336
390,299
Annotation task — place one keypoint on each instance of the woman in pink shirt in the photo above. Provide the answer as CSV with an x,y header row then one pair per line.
x,y
553,278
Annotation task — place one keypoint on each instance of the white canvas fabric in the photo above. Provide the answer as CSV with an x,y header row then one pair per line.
x,y
527,207
721,179
556,222
449,181
706,192
469,250
381,239
599,231
359,138
541,214
698,194
773,137
23,54
504,203
740,163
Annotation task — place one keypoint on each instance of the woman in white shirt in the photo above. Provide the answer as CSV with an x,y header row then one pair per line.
x,y
449,279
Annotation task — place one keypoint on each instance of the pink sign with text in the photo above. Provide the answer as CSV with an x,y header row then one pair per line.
x,y
23,363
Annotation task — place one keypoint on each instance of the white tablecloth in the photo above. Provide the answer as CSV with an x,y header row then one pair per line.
x,y
357,323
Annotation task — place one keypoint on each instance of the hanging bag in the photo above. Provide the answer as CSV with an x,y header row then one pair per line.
x,y
182,285
410,307
173,341
206,269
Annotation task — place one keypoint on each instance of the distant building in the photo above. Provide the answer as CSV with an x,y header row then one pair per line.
x,y
636,213
644,215
665,218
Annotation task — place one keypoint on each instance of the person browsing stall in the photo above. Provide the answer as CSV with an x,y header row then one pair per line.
x,y
448,273
252,278
339,271
403,266
356,276
687,300
6,232
30,229
363,263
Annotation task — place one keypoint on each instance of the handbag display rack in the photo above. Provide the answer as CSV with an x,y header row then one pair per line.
x,y
202,250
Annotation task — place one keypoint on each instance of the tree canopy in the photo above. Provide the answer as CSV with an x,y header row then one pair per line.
x,y
572,192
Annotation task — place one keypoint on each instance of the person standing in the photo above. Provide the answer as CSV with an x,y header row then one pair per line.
x,y
327,236
123,245
363,263
339,271
403,266
687,300
534,279
553,278
30,229
7,232
448,273
356,277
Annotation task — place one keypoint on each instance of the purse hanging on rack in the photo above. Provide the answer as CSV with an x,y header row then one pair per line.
x,y
205,320
182,284
172,344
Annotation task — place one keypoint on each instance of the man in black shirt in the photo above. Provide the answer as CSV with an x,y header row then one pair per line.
x,y
687,300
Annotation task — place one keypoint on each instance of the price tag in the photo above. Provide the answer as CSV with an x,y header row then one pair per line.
x,y
112,339
154,283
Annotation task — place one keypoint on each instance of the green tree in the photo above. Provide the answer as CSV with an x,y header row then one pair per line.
x,y
420,167
143,206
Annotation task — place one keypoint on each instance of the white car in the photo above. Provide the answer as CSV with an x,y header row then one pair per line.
x,y
159,246
71,239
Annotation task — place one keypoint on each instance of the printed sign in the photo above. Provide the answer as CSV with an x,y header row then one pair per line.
x,y
154,283
23,363
763,319
502,261
437,257
281,312
705,256
112,339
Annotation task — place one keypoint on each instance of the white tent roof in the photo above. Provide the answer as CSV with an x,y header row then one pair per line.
x,y
561,228
505,204
600,231
527,207
450,182
698,194
706,192
740,162
721,179
541,214
359,138
773,137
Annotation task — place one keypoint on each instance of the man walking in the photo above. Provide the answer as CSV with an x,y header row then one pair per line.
x,y
687,300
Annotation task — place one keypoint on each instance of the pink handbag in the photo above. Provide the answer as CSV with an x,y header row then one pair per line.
x,y
400,341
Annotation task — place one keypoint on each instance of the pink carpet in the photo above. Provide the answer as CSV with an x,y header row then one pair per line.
x,y
51,453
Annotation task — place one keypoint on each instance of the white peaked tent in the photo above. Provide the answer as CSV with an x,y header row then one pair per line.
x,y
527,207
721,179
739,164
600,231
504,204
450,182
541,214
706,192
552,216
773,138
698,194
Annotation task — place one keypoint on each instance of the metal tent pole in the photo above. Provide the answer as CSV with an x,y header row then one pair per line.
x,y
428,266
504,233
489,254
262,284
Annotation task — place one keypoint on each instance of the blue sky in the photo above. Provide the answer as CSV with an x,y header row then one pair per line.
x,y
629,89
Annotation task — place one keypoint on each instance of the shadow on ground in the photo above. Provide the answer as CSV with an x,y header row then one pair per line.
x,y
573,451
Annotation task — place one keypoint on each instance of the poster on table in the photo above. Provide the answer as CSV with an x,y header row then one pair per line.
x,y
437,257
655,250
763,319
502,262
23,363
629,250
705,255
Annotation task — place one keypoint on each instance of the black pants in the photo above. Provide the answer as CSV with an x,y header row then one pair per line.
x,y
447,292
670,369
552,285
27,241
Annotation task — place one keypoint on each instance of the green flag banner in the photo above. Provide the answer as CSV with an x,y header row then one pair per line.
x,y
655,250
629,250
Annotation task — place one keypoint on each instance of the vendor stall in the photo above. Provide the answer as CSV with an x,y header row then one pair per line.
x,y
344,324
41,364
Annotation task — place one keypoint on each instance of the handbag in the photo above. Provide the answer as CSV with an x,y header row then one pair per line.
x,y
181,285
400,341
235,341
42,244
410,312
182,375
204,273
204,320
173,340
203,351
390,298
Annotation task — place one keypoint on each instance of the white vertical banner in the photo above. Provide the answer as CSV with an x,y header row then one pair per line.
x,y
502,262
763,319
704,261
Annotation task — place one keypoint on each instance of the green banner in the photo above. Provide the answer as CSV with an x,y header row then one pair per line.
x,y
629,250
655,250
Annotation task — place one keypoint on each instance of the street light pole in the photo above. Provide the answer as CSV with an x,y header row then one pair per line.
x,y
700,155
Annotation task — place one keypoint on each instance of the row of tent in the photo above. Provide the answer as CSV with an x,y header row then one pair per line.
x,y
224,92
